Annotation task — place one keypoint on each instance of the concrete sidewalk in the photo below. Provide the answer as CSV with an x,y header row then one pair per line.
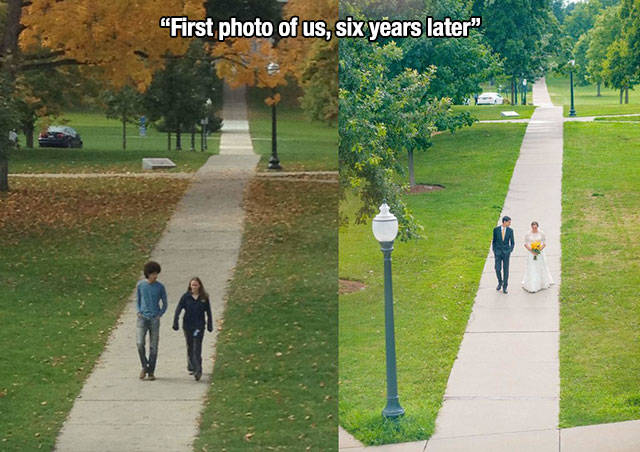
x,y
116,411
504,386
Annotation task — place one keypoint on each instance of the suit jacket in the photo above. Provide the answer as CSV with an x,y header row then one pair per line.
x,y
502,246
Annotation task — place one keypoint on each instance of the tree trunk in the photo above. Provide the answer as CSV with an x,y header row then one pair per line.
x,y
515,89
4,172
626,95
168,141
512,83
598,88
124,133
9,38
8,49
28,134
193,139
412,179
621,90
178,140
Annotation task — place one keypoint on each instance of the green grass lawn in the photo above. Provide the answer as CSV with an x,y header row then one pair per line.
x,y
492,112
275,376
303,145
600,313
102,149
587,103
71,252
435,282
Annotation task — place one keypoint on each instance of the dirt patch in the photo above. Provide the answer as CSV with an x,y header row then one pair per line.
x,y
348,286
424,188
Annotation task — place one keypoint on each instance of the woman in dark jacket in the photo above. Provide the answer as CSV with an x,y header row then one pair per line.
x,y
195,303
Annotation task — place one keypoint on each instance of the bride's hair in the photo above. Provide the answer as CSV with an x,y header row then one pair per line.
x,y
535,222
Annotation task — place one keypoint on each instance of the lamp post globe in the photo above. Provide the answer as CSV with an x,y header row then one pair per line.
x,y
385,230
273,68
385,225
274,163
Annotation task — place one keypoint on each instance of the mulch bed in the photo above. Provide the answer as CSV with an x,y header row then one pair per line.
x,y
423,188
348,286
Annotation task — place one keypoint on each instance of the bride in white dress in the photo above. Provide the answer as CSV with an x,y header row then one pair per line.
x,y
536,275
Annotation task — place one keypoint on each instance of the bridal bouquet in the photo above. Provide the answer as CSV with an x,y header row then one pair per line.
x,y
536,247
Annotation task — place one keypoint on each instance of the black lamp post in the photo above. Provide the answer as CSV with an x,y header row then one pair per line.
x,y
572,63
204,122
524,91
274,162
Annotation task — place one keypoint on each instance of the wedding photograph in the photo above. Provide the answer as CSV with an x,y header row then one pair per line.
x,y
488,214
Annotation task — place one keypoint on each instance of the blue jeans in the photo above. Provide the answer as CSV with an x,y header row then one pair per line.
x,y
153,327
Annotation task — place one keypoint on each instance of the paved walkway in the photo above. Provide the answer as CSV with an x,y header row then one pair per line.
x,y
116,411
503,390
505,381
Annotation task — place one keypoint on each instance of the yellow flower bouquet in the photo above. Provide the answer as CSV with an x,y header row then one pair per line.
x,y
536,247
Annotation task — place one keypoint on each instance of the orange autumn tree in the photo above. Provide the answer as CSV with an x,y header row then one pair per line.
x,y
120,38
312,63
315,61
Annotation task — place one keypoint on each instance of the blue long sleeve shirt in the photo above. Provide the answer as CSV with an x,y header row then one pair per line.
x,y
148,297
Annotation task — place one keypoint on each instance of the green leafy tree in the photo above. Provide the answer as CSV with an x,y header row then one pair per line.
x,y
606,30
383,115
320,81
581,19
461,65
618,69
124,105
176,98
522,32
630,15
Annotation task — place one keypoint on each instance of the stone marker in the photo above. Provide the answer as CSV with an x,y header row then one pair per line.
x,y
509,114
151,164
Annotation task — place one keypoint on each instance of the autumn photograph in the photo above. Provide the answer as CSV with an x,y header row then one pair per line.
x,y
168,230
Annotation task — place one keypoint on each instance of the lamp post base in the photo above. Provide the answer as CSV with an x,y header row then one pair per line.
x,y
393,410
274,164
572,113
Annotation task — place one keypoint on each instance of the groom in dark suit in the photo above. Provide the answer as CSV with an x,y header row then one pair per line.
x,y
502,245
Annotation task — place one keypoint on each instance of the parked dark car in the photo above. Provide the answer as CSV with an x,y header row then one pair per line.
x,y
60,137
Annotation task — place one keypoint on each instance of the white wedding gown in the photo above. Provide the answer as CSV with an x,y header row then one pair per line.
x,y
537,275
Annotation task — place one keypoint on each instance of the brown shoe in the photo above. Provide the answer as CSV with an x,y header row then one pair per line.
x,y
143,372
152,377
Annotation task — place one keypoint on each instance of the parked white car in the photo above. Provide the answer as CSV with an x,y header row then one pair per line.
x,y
490,99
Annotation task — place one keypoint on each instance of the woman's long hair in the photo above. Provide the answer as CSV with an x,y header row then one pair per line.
x,y
202,295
